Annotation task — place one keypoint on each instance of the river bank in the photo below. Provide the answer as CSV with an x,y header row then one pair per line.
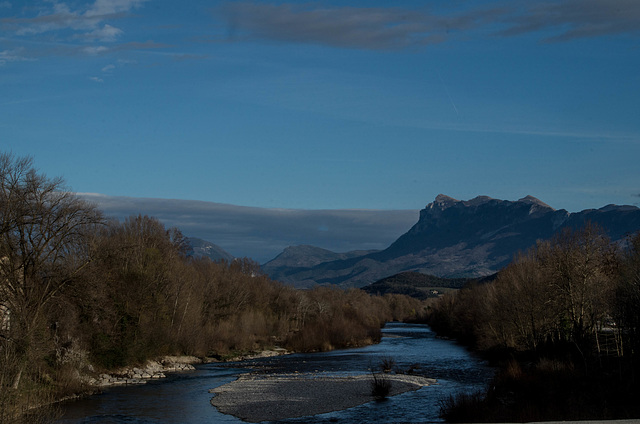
x,y
150,370
158,368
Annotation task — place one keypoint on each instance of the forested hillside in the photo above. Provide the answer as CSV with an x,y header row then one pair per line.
x,y
80,294
415,284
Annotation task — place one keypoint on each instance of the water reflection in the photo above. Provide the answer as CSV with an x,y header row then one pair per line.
x,y
184,398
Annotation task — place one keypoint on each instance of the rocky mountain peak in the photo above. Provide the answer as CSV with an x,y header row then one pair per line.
x,y
477,201
443,202
534,201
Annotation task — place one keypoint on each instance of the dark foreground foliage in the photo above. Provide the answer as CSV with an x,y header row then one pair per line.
x,y
80,295
549,390
562,323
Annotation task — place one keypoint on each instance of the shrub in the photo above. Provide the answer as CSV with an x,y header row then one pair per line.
x,y
380,386
387,363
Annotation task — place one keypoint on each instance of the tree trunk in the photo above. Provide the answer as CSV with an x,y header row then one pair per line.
x,y
16,380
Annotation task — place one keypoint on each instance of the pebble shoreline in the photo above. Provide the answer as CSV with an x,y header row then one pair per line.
x,y
157,369
151,370
272,397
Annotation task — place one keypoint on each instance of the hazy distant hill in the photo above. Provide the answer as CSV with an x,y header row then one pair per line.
x,y
456,239
297,258
207,249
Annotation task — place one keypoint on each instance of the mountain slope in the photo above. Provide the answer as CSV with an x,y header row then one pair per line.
x,y
203,248
299,258
457,239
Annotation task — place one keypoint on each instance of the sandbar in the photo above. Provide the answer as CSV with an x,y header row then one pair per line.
x,y
271,397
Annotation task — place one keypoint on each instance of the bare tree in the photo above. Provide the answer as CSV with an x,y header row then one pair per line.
x,y
43,233
627,308
581,266
523,311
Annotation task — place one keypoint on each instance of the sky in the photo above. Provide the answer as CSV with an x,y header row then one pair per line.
x,y
334,106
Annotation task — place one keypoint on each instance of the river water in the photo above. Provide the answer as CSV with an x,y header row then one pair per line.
x,y
185,398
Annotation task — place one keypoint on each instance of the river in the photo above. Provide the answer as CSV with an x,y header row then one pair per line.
x,y
185,398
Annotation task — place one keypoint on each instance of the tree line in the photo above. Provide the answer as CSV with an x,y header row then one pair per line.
x,y
563,319
80,293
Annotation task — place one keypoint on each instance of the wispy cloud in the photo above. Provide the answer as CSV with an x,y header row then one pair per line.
x,y
94,50
107,8
140,45
59,24
577,135
351,27
107,33
377,28
55,16
16,55
571,19
185,56
262,233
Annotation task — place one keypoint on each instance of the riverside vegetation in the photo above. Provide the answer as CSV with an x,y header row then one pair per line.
x,y
563,322
81,295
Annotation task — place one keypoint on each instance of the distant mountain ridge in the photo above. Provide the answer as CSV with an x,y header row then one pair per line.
x,y
203,248
302,257
453,239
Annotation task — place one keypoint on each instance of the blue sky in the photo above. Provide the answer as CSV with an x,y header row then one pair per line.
x,y
325,104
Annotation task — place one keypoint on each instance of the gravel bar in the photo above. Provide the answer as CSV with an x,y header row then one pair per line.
x,y
272,397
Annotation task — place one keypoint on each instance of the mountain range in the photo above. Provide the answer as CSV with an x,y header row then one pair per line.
x,y
452,239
